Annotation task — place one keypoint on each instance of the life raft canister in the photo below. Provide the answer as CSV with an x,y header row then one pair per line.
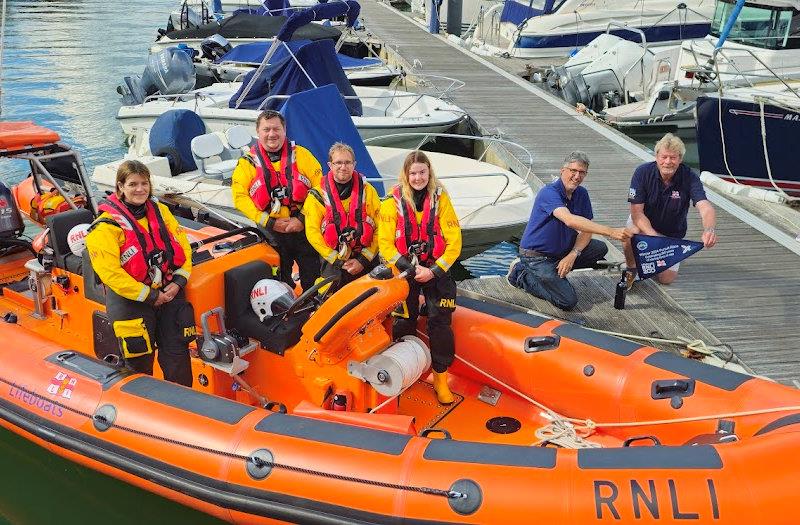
x,y
143,250
425,240
352,226
289,186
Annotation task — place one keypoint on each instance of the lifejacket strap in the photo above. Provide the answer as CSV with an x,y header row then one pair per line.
x,y
363,260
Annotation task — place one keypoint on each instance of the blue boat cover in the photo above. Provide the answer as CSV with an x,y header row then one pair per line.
x,y
517,12
171,136
351,8
317,118
318,59
255,51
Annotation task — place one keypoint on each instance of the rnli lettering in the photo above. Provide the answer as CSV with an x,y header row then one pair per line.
x,y
36,401
127,254
644,501
254,188
447,303
190,331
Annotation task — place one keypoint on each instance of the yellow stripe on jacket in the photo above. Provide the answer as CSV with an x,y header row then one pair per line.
x,y
245,172
103,244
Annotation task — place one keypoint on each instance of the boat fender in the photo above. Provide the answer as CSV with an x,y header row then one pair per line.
x,y
396,368
259,464
104,417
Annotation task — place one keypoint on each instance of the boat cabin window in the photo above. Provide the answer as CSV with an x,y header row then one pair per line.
x,y
763,26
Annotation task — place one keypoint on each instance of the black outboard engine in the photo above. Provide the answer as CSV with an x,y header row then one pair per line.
x,y
168,72
215,47
11,225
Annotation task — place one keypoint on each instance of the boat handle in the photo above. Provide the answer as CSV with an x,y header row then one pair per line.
x,y
540,343
428,431
272,404
668,388
630,440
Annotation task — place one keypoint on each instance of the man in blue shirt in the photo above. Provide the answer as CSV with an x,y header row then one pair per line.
x,y
558,237
659,195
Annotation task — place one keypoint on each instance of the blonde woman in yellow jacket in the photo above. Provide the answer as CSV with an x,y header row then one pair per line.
x,y
269,187
418,224
341,217
143,257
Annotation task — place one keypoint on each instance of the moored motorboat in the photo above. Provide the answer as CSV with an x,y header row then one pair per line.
x,y
551,422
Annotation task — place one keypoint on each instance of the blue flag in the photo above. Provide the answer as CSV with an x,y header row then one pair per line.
x,y
655,254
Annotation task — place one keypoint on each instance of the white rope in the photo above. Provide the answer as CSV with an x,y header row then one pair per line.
x,y
721,130
764,144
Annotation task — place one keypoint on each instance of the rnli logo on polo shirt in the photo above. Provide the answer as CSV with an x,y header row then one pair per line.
x,y
675,195
632,193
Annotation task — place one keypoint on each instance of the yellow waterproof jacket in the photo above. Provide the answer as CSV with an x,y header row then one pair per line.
x,y
314,211
245,172
448,222
103,244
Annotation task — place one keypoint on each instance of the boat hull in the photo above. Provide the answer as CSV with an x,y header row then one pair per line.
x,y
743,143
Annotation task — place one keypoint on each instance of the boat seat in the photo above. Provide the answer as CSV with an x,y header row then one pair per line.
x,y
206,148
276,334
60,224
238,137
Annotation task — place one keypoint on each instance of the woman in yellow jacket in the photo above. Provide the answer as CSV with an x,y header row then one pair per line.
x,y
143,257
341,215
418,224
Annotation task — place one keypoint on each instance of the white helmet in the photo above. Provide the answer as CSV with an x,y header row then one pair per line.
x,y
76,238
270,297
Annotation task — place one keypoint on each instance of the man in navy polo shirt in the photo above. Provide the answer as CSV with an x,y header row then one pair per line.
x,y
558,237
659,195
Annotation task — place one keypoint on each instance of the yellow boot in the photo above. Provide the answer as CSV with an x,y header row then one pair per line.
x,y
443,393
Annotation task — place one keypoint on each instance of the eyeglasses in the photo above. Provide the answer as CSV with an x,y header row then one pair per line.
x,y
582,173
343,163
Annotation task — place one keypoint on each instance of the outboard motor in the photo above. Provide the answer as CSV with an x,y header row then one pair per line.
x,y
168,72
11,226
215,46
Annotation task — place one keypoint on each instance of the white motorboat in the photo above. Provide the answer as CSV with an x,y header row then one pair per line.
x,y
654,88
493,204
559,29
375,111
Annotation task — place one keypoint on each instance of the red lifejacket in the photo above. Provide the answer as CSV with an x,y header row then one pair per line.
x,y
426,237
353,225
141,246
289,186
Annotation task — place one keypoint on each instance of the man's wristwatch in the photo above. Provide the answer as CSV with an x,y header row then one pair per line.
x,y
577,252
708,230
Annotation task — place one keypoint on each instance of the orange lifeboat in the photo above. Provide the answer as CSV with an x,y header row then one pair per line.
x,y
552,422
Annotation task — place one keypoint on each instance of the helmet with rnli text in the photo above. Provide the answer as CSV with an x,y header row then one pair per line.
x,y
76,238
270,297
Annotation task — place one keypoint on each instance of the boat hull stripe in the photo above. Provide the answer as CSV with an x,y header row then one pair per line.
x,y
240,498
510,314
506,455
602,341
183,398
334,433
657,457
710,375
785,421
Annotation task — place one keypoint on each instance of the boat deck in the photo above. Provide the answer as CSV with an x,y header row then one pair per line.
x,y
742,293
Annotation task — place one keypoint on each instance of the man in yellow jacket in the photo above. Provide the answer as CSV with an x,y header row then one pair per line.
x,y
142,255
418,225
270,185
341,217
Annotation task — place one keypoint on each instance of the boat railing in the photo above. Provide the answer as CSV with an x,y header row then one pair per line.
x,y
655,75
493,15
215,98
640,62
773,75
490,142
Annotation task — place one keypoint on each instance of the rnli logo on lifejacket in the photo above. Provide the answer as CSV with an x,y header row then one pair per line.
x,y
255,187
127,254
190,331
447,303
62,385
